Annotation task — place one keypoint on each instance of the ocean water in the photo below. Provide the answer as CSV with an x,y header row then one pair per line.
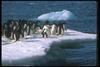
x,y
86,12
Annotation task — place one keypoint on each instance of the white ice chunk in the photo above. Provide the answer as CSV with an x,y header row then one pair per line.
x,y
17,52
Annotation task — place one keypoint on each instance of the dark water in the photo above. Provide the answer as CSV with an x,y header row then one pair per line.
x,y
84,56
86,12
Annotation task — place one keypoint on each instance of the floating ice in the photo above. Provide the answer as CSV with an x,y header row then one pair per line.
x,y
57,16
35,51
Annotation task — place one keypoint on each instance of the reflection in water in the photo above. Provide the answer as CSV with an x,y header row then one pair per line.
x,y
83,54
71,46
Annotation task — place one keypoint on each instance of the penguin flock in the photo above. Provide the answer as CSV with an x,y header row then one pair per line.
x,y
16,29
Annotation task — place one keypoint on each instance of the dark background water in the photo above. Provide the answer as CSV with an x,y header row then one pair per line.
x,y
86,12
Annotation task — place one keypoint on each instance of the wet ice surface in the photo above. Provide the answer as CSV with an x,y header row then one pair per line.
x,y
35,50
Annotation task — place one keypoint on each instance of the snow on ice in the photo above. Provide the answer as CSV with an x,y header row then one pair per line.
x,y
36,50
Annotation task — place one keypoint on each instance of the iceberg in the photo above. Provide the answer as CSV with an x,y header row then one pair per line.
x,y
57,16
37,50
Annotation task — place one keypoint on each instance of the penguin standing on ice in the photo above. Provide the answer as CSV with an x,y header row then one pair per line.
x,y
53,29
8,29
46,30
61,28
